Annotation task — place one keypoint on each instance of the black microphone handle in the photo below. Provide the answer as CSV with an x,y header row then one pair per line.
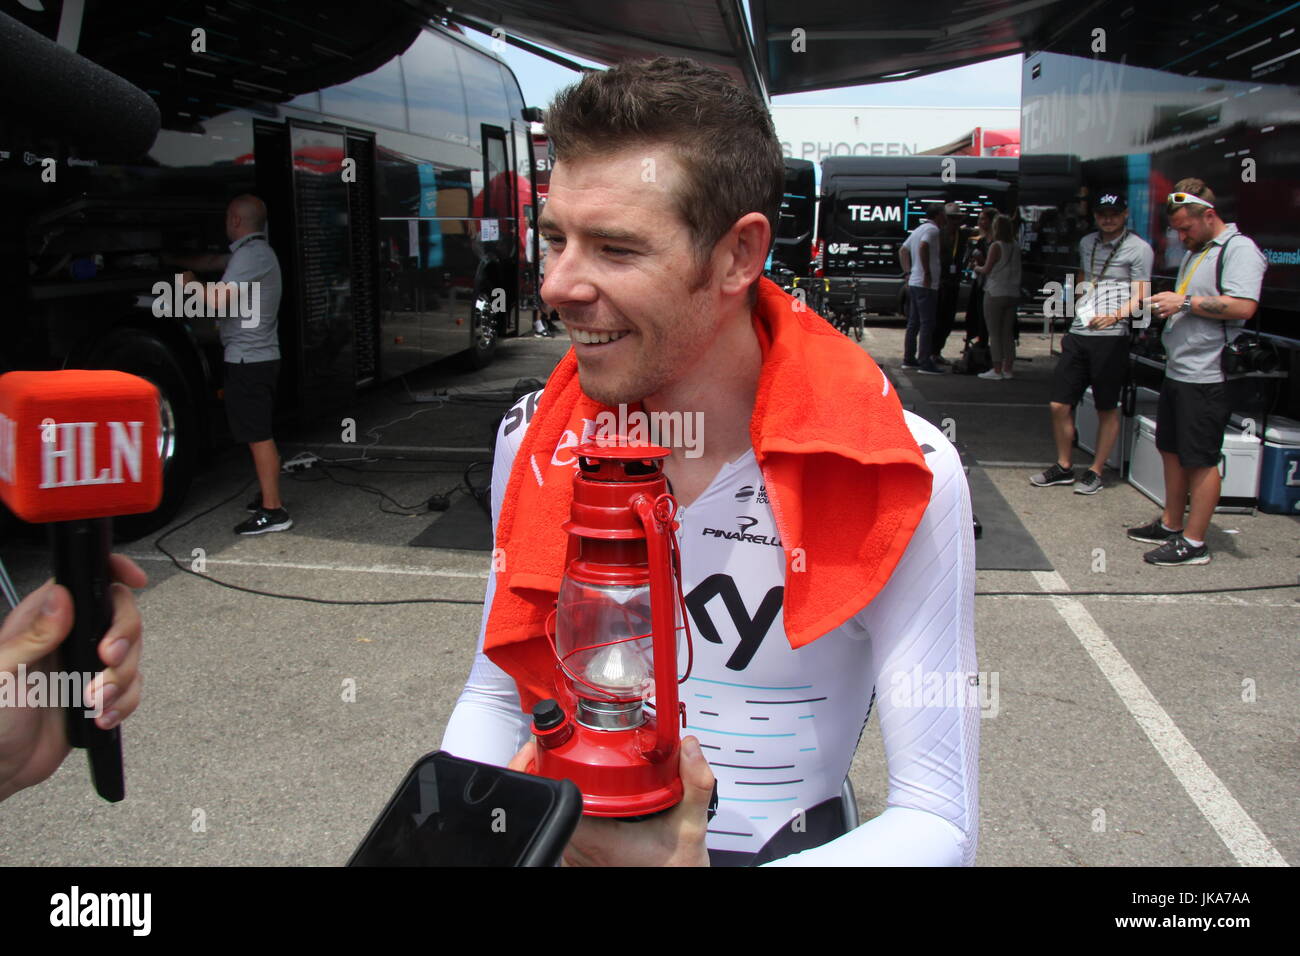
x,y
81,550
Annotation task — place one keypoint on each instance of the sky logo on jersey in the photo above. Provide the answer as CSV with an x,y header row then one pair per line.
x,y
744,523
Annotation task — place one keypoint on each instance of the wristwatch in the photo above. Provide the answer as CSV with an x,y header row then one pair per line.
x,y
1187,306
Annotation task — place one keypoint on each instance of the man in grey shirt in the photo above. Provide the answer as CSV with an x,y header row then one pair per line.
x,y
1217,291
246,302
1117,269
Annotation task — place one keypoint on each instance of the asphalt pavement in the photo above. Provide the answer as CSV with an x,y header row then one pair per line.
x,y
1120,728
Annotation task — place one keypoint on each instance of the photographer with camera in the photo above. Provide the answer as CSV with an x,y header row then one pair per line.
x,y
1217,291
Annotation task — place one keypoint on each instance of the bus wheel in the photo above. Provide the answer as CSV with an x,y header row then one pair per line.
x,y
482,335
139,353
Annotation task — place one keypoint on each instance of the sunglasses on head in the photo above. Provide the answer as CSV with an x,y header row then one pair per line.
x,y
1183,199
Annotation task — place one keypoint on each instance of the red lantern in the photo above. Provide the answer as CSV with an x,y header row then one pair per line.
x,y
615,638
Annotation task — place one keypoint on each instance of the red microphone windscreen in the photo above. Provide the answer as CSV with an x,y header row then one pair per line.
x,y
78,444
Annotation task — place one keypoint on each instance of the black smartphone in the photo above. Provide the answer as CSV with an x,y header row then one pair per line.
x,y
455,812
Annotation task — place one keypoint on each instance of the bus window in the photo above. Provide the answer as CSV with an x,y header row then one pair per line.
x,y
514,100
373,98
435,101
485,94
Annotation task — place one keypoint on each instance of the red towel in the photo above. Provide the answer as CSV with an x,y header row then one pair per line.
x,y
846,482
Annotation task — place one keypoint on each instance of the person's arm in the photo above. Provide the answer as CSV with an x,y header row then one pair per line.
x,y
924,253
34,740
1226,308
923,622
1140,285
905,259
990,260
1243,276
202,262
487,724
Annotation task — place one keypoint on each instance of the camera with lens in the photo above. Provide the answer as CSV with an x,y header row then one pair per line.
x,y
1248,353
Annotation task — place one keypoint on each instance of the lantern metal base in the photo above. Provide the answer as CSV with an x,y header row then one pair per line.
x,y
609,714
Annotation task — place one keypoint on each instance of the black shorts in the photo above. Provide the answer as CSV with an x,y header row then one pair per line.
x,y
250,399
1097,360
1190,420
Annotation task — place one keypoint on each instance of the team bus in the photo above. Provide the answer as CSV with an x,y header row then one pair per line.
x,y
398,208
869,204
1212,97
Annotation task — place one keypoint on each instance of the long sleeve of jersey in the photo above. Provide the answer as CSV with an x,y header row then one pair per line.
x,y
922,627
487,724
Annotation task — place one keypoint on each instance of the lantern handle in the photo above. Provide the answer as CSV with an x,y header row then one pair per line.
x,y
656,518
675,555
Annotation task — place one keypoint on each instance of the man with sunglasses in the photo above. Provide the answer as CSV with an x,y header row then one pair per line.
x,y
1116,265
1217,291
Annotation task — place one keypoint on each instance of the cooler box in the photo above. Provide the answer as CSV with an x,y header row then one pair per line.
x,y
1279,474
1239,467
1085,426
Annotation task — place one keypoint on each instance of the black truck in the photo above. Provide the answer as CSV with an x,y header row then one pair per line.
x,y
869,204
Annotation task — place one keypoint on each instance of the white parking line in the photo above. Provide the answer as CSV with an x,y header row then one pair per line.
x,y
1235,828
1182,600
348,568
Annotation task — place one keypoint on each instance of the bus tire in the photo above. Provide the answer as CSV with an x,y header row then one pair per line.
x,y
483,335
138,352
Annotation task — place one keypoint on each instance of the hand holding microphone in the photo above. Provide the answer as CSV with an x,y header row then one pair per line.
x,y
34,740
77,447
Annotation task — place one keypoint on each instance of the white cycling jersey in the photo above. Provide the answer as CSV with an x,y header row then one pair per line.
x,y
779,726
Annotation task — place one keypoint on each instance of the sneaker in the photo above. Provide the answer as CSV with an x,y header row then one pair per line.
x,y
909,366
992,375
264,521
1176,552
1007,376
940,361
1056,475
1153,533
1089,484
929,369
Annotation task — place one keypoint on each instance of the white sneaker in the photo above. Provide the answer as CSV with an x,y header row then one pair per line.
x,y
1006,375
993,375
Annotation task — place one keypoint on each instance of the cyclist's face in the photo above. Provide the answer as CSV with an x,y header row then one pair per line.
x,y
622,273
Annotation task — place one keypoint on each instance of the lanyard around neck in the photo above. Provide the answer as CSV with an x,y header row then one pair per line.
x,y
1187,280
1093,274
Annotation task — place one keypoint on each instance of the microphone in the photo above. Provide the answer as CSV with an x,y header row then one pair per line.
x,y
76,448
60,93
